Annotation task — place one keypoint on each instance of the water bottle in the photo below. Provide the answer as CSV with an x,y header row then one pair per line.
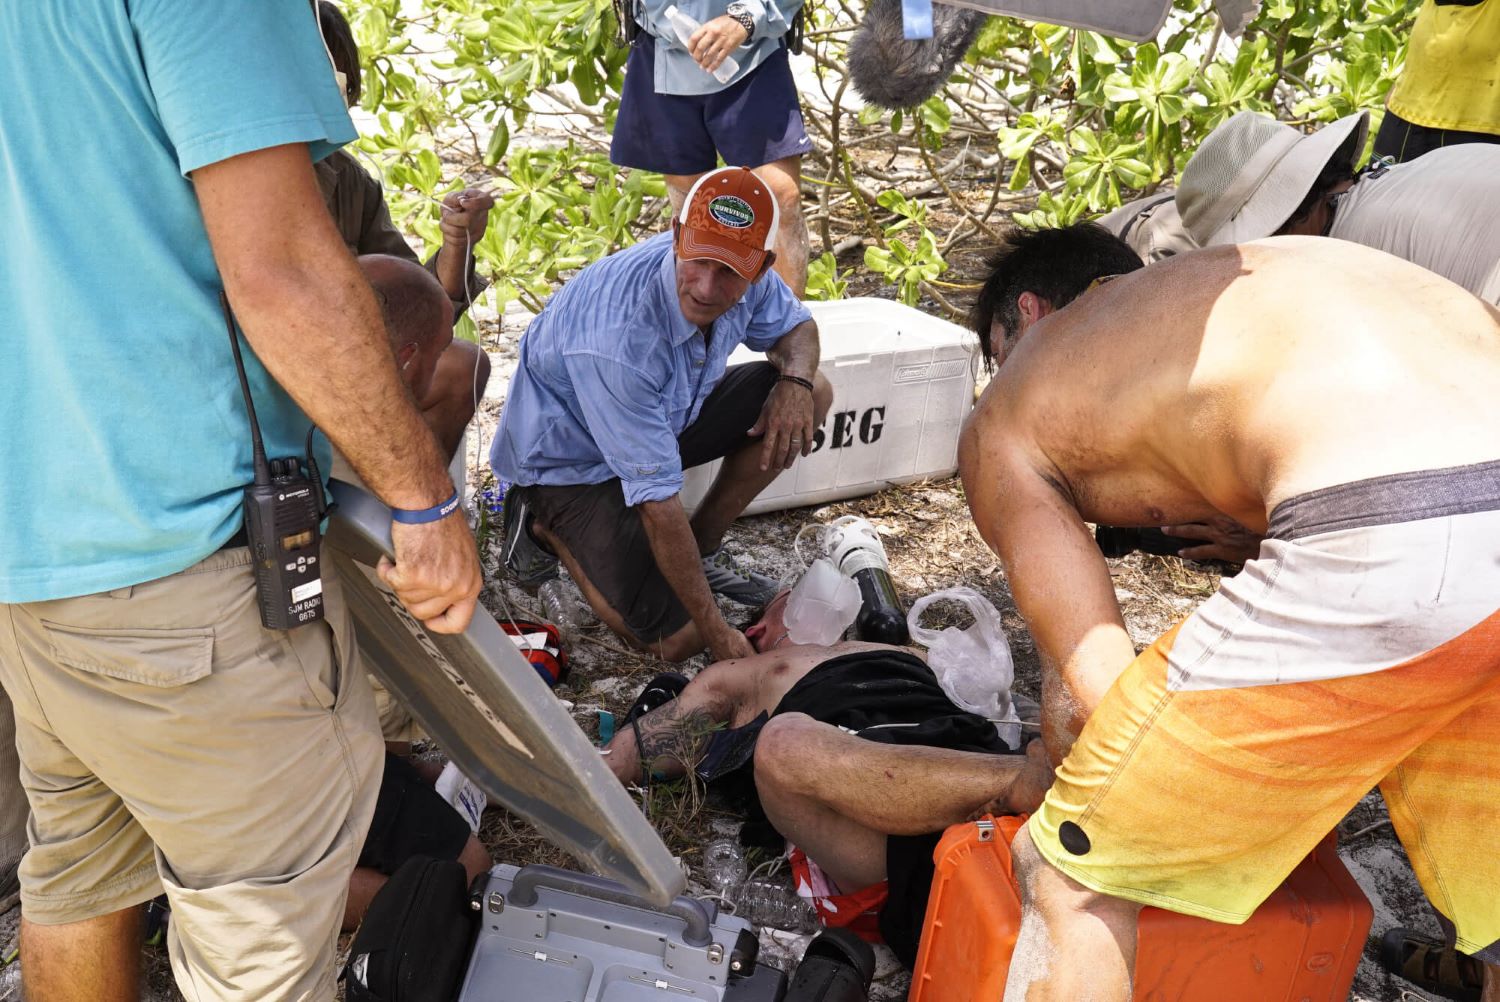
x,y
685,27
560,608
724,865
855,548
767,903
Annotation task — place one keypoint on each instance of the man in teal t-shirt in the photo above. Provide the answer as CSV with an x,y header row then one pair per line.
x,y
151,153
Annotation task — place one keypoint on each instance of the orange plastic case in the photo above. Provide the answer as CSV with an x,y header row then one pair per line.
x,y
1302,945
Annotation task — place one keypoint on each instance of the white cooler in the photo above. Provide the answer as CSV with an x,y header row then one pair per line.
x,y
903,382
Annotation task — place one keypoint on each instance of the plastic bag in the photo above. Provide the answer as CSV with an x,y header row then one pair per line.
x,y
973,666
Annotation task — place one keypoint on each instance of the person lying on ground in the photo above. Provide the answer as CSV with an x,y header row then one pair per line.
x,y
357,203
622,385
857,757
1340,401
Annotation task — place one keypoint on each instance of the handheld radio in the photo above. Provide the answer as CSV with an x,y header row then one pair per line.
x,y
284,508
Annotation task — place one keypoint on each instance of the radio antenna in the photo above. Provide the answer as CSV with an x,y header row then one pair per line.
x,y
262,468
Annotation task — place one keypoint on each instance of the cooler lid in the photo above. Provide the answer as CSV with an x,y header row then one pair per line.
x,y
868,325
489,710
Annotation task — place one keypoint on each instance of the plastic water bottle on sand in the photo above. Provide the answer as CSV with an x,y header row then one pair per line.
x,y
685,27
560,608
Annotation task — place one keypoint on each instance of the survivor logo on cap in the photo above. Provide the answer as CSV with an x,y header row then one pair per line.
x,y
731,217
731,211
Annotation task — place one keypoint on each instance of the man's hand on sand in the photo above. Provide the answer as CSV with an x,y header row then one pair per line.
x,y
1223,539
436,572
786,420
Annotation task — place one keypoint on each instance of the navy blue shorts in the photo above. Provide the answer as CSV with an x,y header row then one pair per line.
x,y
755,121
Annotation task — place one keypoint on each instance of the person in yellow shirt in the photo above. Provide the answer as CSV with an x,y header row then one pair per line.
x,y
1449,92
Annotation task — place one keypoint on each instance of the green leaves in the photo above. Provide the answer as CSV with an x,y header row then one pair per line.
x,y
906,264
1101,165
823,279
464,91
1152,102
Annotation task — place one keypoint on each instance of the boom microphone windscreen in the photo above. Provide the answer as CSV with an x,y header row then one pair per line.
x,y
893,72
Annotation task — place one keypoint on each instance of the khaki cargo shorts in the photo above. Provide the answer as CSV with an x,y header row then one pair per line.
x,y
168,741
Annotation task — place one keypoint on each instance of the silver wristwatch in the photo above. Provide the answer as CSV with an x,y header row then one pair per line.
x,y
741,13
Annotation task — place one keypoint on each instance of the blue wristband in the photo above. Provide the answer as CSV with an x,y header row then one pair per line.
x,y
406,516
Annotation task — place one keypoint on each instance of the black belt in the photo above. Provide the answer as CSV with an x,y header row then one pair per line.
x,y
240,538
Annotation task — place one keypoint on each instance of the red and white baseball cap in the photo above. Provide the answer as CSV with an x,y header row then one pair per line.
x,y
729,216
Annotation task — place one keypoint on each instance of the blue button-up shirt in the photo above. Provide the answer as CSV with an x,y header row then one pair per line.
x,y
611,373
676,70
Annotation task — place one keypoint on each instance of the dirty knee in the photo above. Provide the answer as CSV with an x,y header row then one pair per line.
x,y
783,750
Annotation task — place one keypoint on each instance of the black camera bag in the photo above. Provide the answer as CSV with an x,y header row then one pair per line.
x,y
414,943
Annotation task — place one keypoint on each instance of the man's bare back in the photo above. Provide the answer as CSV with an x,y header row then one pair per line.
x,y
1232,379
1219,382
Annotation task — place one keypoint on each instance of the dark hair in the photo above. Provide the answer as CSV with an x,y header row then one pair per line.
x,y
412,302
340,41
1057,265
1338,169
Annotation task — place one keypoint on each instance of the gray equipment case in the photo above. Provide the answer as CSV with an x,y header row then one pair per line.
x,y
546,935
550,935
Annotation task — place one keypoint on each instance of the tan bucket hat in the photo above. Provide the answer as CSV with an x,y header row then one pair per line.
x,y
1252,172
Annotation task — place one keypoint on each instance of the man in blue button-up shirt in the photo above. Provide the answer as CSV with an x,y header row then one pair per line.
x,y
681,108
622,385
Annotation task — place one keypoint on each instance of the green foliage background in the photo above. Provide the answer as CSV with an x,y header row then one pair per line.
x,y
1041,123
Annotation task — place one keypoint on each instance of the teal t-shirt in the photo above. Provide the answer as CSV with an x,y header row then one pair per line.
x,y
124,445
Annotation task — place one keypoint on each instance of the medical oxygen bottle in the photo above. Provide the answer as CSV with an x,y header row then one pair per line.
x,y
855,549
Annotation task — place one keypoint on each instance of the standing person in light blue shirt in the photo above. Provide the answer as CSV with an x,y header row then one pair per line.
x,y
147,692
678,117
622,385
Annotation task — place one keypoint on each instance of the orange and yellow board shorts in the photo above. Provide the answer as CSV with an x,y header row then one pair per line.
x,y
1361,648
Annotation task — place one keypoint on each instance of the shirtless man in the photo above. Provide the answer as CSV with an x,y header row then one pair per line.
x,y
1343,403
865,806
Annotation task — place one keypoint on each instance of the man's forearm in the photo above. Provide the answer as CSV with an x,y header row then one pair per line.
x,y
454,271
798,352
1057,575
313,321
676,552
358,400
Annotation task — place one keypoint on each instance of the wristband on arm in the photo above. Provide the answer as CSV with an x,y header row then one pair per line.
x,y
807,383
408,516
